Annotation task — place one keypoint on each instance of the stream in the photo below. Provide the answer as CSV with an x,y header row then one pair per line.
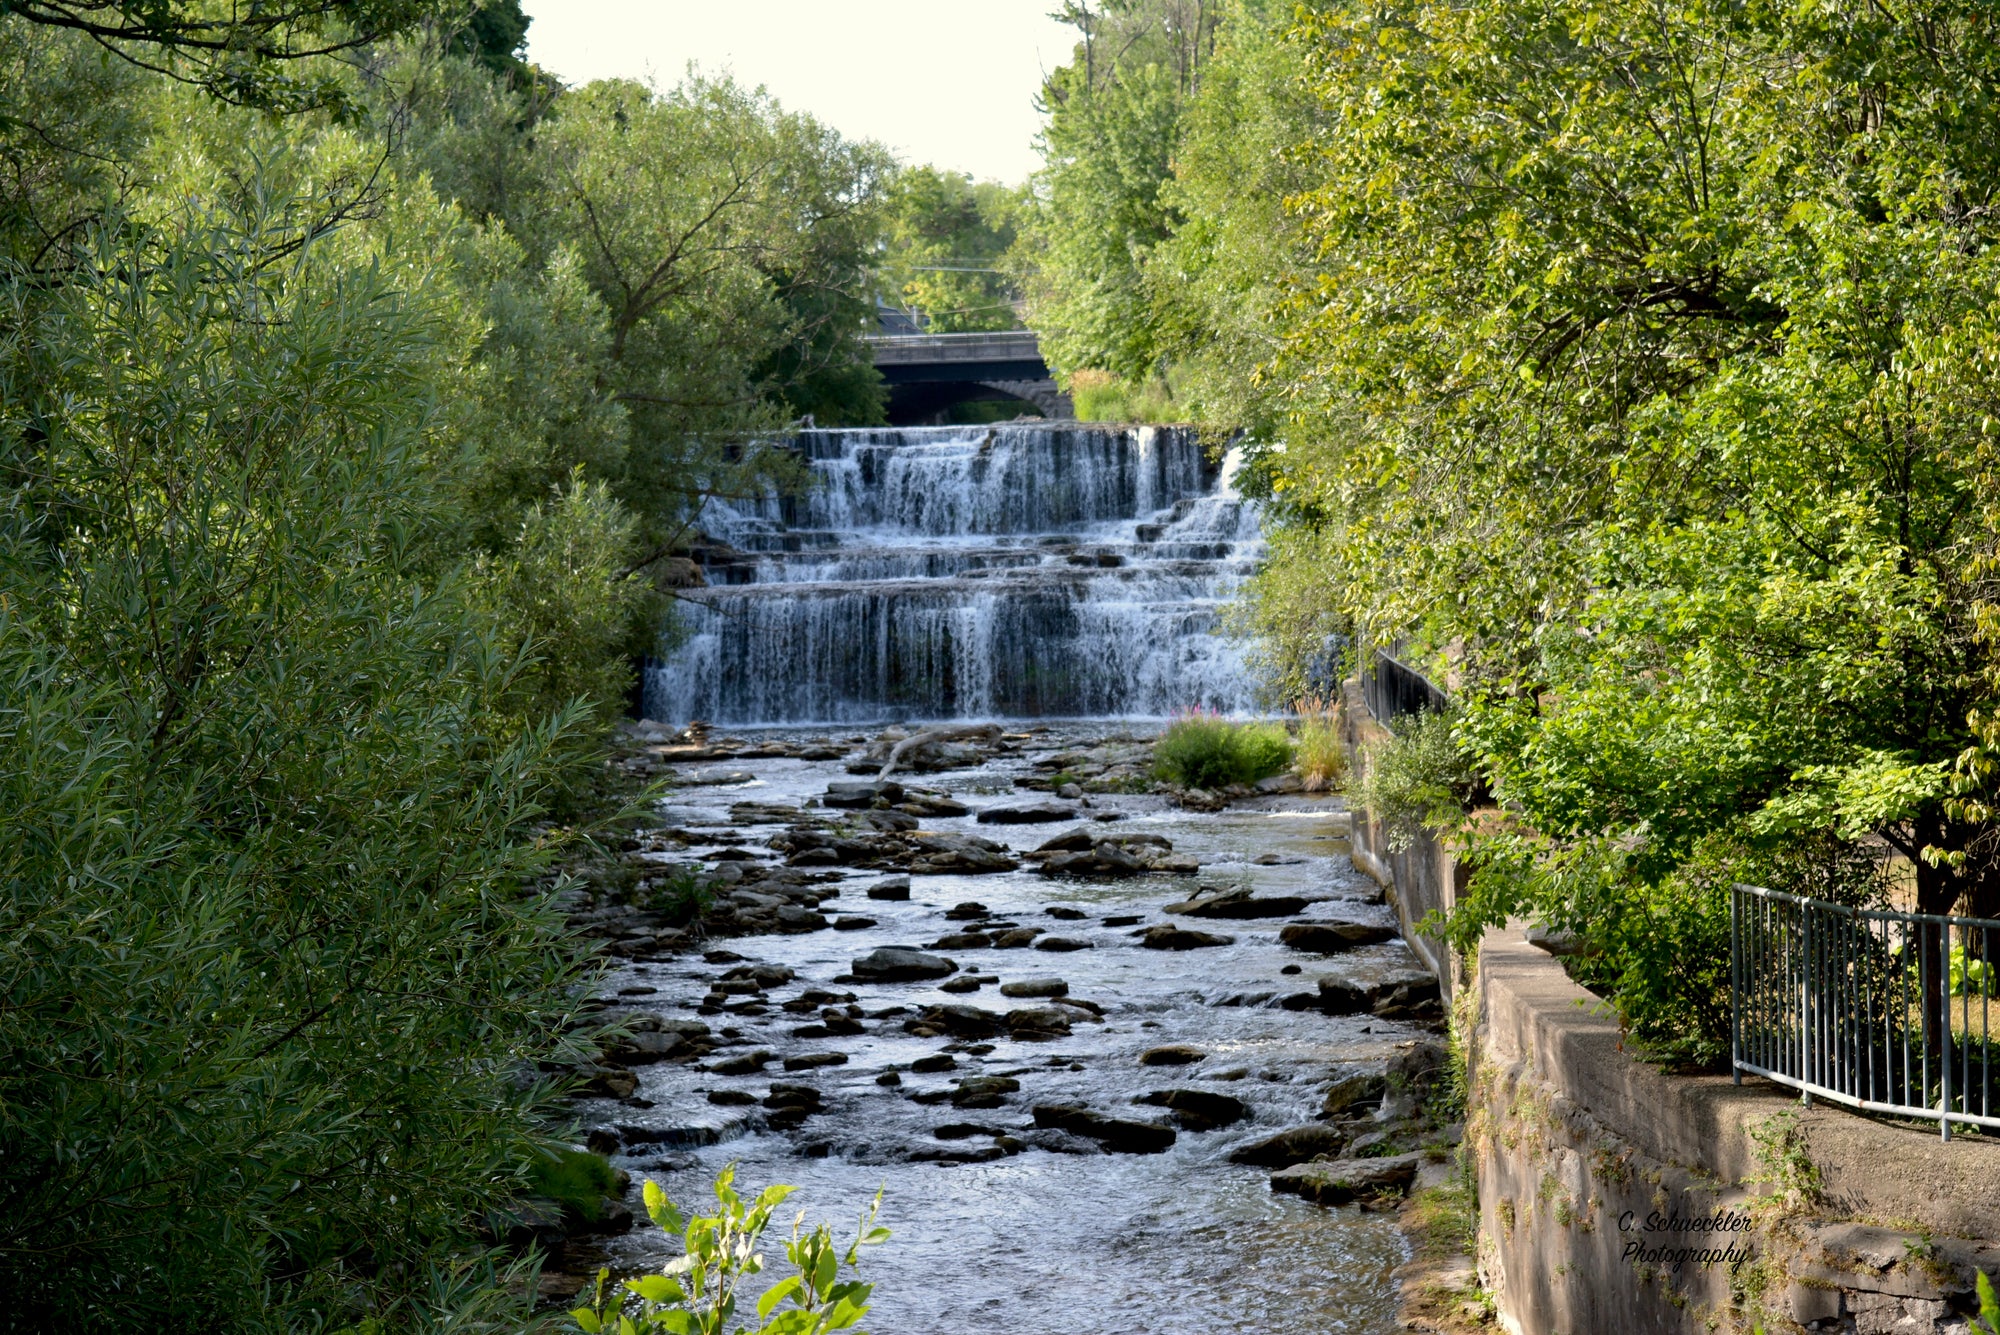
x,y
1032,1229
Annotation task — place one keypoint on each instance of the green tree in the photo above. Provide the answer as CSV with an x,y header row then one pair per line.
x,y
947,237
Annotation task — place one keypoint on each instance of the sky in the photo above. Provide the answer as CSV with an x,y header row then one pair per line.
x,y
950,82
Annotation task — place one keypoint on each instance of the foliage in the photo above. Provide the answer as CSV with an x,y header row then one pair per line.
x,y
946,238
1989,1305
279,972
1322,754
1784,1158
1420,778
576,1178
1201,750
683,896
1098,396
697,1292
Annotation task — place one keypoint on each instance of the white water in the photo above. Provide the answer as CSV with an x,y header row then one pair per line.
x,y
1020,570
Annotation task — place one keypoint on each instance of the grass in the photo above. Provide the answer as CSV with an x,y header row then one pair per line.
x,y
1205,751
1322,760
575,1178
1101,397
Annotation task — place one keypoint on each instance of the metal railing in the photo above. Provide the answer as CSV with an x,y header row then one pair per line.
x,y
1882,1011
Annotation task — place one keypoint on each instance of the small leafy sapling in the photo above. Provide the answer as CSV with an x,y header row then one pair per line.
x,y
696,1292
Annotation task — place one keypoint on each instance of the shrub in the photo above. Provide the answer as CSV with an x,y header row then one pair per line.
x,y
1204,751
576,1178
1418,779
1322,758
697,1292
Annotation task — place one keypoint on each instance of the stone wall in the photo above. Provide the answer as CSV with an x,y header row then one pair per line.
x,y
1578,1145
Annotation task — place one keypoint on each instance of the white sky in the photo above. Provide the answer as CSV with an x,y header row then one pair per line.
x,y
951,82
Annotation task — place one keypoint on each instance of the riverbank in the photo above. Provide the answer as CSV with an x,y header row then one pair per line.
x,y
1106,1076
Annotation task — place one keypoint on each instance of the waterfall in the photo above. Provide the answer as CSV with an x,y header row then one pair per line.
x,y
1053,570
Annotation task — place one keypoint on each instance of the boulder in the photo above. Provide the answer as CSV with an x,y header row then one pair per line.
x,y
940,1061
861,795
1198,1109
984,1091
1035,987
1346,1180
893,889
937,854
970,910
1399,994
1027,813
1297,1145
1037,1022
810,1061
962,941
1116,1134
1330,938
1355,1086
958,1020
1105,860
1237,905
901,964
1082,839
1017,938
1061,943
1280,783
748,1063
965,982
1180,938
1172,1054
1064,913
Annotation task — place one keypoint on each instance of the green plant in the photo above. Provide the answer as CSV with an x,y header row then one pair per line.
x,y
682,895
576,1178
1972,977
1418,779
1989,1306
1785,1164
1322,756
1202,750
696,1293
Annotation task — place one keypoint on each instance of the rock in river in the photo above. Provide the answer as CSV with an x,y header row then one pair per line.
x,y
1180,938
1035,987
1237,905
1061,943
861,795
1198,1109
1289,1147
1172,1054
1346,1180
1115,1133
1030,813
893,889
1330,938
901,964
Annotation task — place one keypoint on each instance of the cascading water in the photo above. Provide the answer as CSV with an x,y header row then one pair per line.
x,y
1002,571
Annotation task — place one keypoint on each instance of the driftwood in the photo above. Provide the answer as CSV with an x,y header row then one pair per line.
x,y
989,732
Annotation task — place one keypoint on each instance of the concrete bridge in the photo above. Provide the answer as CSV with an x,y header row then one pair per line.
x,y
929,373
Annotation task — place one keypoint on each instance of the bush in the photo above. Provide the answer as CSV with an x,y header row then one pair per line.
x,y
576,1178
1322,757
697,1292
1102,397
1204,751
1419,779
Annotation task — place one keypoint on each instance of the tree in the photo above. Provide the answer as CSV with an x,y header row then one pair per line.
x,y
947,236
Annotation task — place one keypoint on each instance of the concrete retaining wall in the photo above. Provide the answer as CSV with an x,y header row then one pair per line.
x,y
1593,1167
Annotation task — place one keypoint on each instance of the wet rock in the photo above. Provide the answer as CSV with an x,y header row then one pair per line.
x,y
1181,938
1297,1145
970,910
644,1049
943,854
749,1063
893,889
940,1154
1060,944
1017,938
1400,994
1116,1134
1237,905
963,983
1331,938
1070,792
1061,1142
984,1091
1031,813
1035,987
941,1061
962,941
918,802
1030,1023
1082,839
813,1060
852,924
1280,783
965,1131
1415,1068
731,1098
1124,919
608,1082
959,1020
1355,1086
1064,913
1198,1109
901,964
1172,1054
1346,1180
889,1079
861,795
761,975
792,918
601,1141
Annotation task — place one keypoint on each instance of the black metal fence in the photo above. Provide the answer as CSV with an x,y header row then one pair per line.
x,y
1882,1011
1393,690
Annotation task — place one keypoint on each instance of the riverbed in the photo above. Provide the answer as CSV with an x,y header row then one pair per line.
x,y
1033,1231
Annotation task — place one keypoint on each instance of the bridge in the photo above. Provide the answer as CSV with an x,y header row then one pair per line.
x,y
928,374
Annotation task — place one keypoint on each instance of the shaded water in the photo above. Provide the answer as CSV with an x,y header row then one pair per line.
x,y
1042,569
1042,1242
